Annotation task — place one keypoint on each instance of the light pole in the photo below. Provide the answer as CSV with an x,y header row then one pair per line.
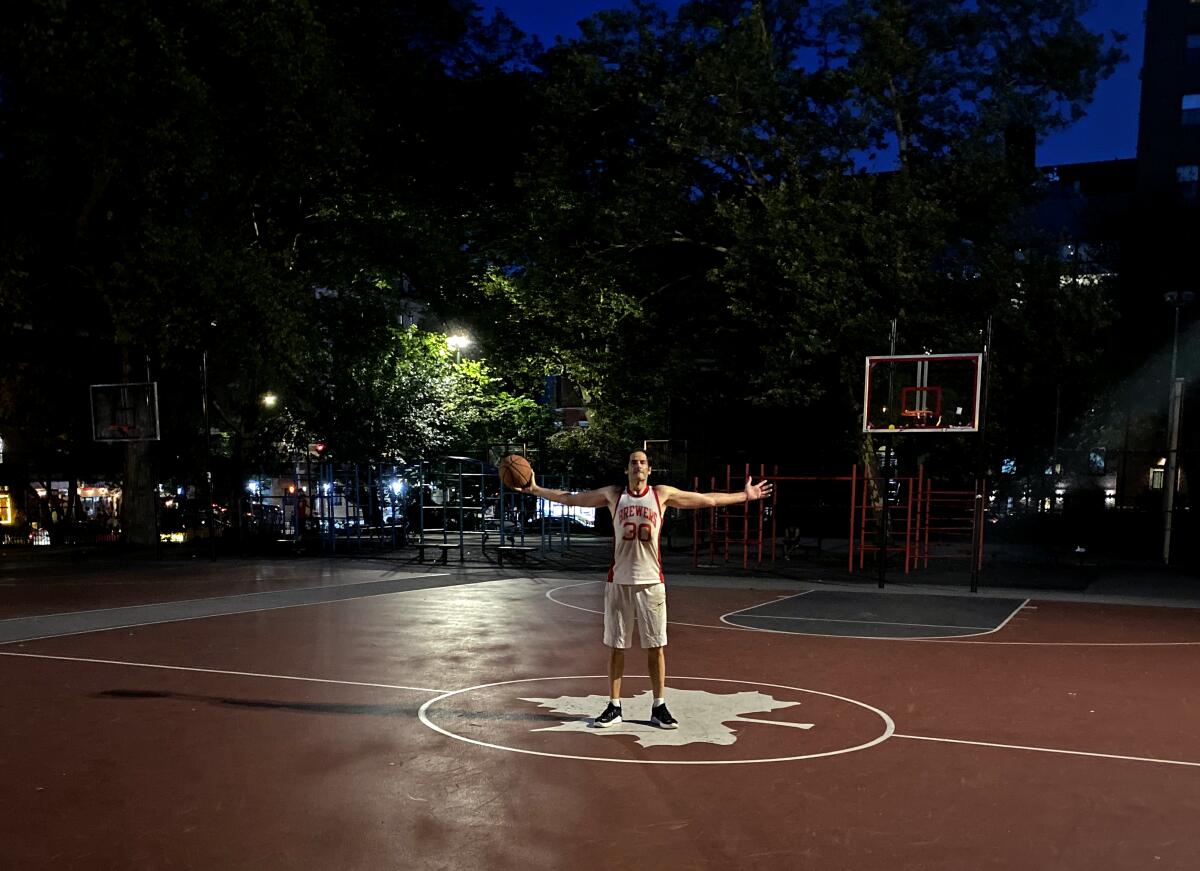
x,y
209,518
1177,299
458,341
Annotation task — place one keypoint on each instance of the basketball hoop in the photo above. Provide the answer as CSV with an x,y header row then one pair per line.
x,y
125,412
924,385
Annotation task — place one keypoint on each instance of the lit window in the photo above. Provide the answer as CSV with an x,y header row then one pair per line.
x,y
1188,179
1191,109
1156,479
6,510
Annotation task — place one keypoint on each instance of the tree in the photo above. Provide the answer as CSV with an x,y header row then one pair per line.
x,y
184,179
398,393
700,194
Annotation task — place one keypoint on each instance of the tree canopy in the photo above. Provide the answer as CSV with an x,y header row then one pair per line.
x,y
704,219
704,229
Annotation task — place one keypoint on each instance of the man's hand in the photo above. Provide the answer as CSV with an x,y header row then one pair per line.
x,y
531,486
761,490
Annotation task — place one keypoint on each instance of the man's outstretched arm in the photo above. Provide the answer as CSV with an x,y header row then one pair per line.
x,y
586,499
688,499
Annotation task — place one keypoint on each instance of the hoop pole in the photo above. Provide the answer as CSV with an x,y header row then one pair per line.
x,y
853,493
928,511
862,527
908,524
712,524
745,528
725,516
774,510
983,527
977,519
883,512
921,518
696,528
914,503
762,471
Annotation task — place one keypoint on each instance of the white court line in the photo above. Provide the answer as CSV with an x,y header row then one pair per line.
x,y
888,723
1049,750
1061,643
770,722
216,598
671,622
567,604
864,622
983,629
445,693
760,604
349,683
1014,613
734,626
964,640
201,616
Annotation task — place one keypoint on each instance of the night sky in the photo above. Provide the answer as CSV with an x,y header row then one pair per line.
x,y
1108,132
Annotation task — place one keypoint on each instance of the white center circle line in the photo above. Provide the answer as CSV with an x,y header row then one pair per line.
x,y
889,727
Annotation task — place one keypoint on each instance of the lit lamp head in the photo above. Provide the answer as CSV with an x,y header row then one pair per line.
x,y
456,344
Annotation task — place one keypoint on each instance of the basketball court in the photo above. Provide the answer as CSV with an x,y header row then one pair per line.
x,y
365,715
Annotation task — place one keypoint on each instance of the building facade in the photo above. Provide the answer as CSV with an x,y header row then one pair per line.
x,y
1168,152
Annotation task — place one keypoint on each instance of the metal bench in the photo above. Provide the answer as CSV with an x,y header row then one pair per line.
x,y
521,550
444,546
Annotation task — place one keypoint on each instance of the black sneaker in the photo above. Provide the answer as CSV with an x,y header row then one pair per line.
x,y
610,717
661,717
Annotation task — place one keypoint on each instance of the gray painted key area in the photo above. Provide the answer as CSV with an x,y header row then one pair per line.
x,y
73,623
823,612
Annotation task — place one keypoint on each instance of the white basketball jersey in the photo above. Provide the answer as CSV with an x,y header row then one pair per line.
x,y
637,522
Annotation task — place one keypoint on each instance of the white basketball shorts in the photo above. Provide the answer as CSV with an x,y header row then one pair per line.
x,y
625,603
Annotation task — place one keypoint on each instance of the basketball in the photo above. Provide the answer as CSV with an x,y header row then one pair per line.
x,y
515,471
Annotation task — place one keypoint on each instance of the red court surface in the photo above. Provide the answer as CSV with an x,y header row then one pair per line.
x,y
446,727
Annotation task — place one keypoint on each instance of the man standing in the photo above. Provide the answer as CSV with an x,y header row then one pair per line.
x,y
636,588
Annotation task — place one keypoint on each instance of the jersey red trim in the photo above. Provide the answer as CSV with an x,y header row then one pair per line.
x,y
612,566
662,578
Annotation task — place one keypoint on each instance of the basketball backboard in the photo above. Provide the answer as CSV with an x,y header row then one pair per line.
x,y
922,393
125,412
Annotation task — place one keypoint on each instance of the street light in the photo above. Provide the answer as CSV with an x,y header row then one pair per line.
x,y
208,475
1178,299
457,342
269,400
